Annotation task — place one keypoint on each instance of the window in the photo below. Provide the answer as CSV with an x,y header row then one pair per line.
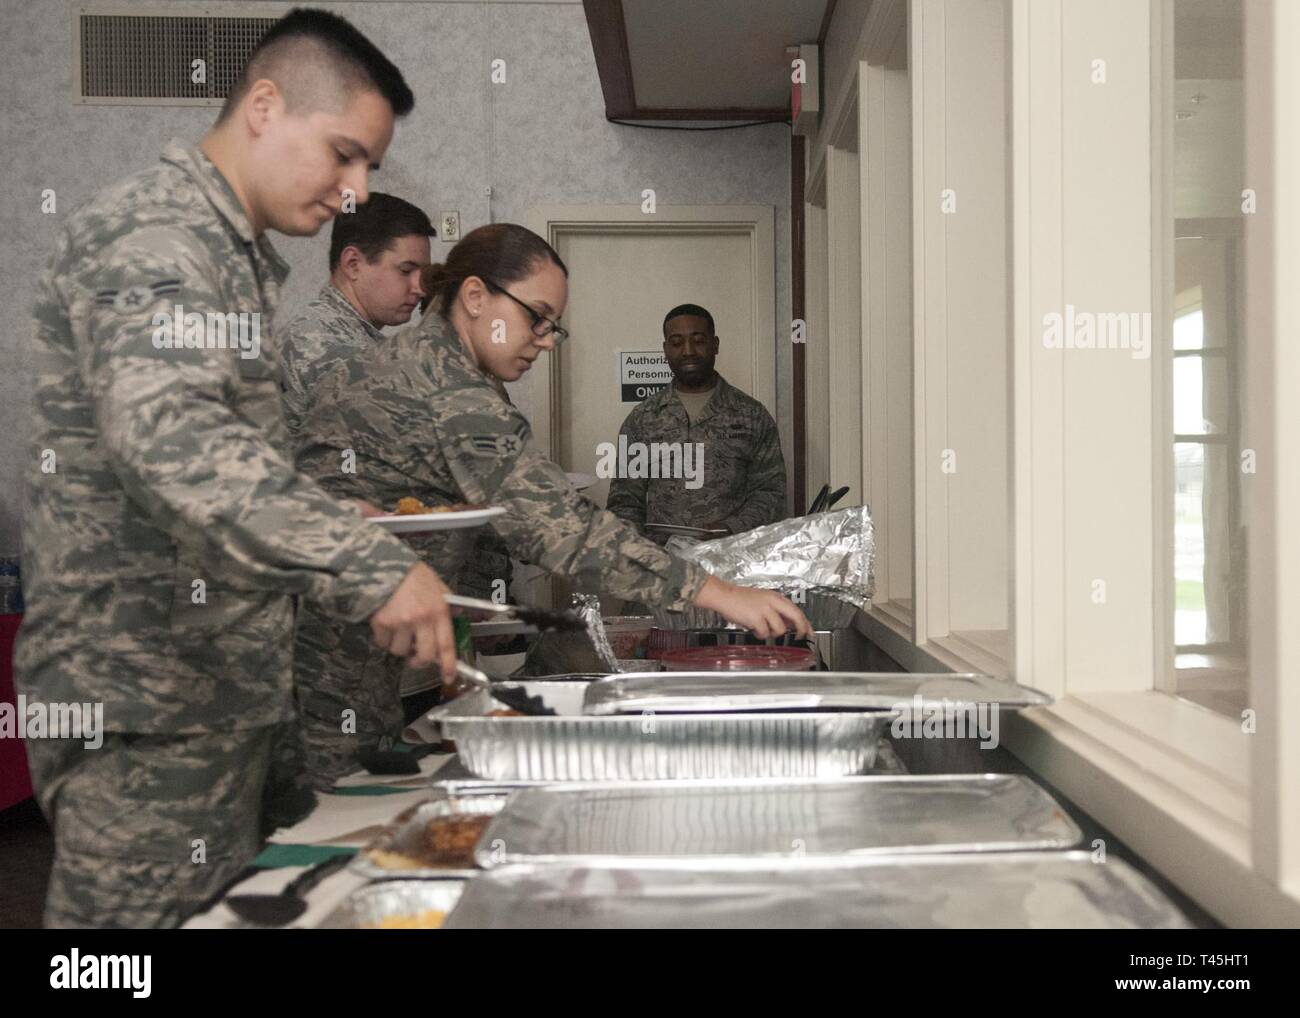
x,y
1207,595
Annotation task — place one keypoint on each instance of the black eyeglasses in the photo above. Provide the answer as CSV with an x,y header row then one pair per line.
x,y
542,326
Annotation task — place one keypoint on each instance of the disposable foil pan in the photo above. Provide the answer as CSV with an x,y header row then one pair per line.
x,y
572,747
403,838
654,822
1014,890
454,781
641,748
690,692
368,907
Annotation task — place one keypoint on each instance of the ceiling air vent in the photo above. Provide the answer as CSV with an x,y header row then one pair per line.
x,y
153,57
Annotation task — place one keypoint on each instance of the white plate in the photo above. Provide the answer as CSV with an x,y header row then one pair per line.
x,y
423,522
580,482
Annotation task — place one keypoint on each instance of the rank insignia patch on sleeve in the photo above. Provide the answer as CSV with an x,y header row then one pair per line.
x,y
133,298
495,445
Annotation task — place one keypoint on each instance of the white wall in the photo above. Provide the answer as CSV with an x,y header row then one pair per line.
x,y
540,138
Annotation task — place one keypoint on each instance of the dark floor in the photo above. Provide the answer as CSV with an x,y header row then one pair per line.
x,y
27,848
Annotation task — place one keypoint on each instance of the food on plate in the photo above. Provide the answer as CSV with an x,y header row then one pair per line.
x,y
412,506
427,919
505,712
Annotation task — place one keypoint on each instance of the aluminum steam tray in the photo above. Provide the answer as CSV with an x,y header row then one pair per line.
x,y
397,904
454,781
399,850
658,823
1015,890
575,747
713,692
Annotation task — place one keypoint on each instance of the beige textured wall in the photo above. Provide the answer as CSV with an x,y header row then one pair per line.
x,y
539,138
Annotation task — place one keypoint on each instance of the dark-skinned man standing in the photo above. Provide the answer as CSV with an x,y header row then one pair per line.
x,y
742,483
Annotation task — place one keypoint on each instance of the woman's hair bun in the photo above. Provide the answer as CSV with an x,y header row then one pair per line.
x,y
501,252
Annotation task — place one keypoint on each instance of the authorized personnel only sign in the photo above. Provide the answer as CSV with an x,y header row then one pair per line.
x,y
642,373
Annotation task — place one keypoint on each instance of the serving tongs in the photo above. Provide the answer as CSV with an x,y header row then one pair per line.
x,y
545,619
514,698
826,499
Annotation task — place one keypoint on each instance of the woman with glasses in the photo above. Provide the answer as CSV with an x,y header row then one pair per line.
x,y
420,416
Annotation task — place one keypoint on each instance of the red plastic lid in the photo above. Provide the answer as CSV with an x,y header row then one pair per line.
x,y
740,658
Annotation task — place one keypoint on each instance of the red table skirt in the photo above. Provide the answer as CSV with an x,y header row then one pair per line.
x,y
15,781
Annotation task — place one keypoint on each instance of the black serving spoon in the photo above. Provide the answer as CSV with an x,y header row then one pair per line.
x,y
393,761
283,908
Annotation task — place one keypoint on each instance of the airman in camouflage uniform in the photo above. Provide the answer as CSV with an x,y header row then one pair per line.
x,y
743,471
322,338
422,419
166,535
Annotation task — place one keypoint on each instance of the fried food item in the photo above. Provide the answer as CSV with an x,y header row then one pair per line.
x,y
505,712
451,839
428,919
411,507
447,842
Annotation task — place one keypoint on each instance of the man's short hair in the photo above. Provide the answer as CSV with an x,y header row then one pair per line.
x,y
375,225
688,309
314,56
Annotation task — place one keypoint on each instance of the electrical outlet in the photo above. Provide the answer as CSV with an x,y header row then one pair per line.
x,y
449,230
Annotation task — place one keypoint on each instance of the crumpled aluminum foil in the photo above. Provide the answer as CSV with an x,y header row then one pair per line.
x,y
555,653
826,559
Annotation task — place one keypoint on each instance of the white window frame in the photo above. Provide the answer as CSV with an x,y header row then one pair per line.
x,y
1204,802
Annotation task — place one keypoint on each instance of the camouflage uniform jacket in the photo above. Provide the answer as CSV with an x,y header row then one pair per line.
x,y
743,473
321,339
153,467
418,417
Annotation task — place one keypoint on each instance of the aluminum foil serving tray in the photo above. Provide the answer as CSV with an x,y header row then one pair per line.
x,y
575,747
656,823
690,692
453,781
395,852
1015,890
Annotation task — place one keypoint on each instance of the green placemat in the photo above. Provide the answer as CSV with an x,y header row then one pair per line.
x,y
276,856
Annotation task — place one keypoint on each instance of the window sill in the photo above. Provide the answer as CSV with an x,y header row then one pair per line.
x,y
984,651
1169,778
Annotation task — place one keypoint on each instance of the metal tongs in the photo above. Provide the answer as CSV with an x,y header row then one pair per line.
x,y
543,618
515,699
826,499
